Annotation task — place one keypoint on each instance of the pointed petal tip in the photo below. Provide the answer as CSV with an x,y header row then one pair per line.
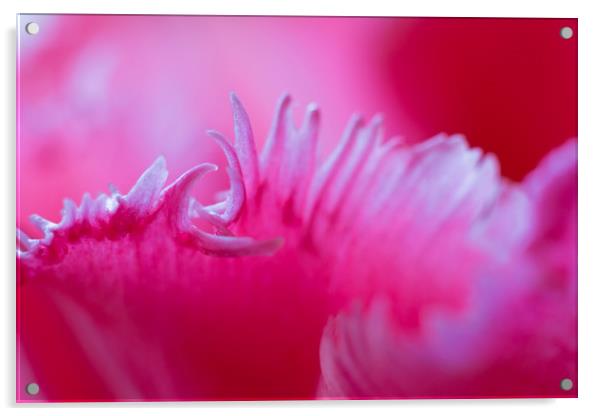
x,y
377,119
42,224
226,147
200,170
357,119
69,204
159,163
208,167
37,219
312,113
241,118
233,97
285,100
214,134
188,177
236,104
157,169
312,116
179,188
147,188
313,107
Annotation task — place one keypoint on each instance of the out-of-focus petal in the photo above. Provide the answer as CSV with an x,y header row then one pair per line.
x,y
514,332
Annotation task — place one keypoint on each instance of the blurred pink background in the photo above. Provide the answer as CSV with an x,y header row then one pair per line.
x,y
100,97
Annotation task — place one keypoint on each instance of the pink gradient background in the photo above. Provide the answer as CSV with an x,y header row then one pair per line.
x,y
100,97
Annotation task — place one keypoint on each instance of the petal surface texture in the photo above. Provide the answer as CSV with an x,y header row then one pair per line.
x,y
382,270
491,315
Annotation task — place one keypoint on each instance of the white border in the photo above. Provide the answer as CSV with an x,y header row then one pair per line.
x,y
590,201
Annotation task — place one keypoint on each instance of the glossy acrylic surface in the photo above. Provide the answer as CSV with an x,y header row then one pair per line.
x,y
269,208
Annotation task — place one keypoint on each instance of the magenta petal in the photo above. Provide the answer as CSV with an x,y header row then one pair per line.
x,y
236,197
381,272
245,144
511,330
129,294
140,307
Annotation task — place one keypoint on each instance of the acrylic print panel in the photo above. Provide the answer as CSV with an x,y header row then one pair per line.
x,y
393,217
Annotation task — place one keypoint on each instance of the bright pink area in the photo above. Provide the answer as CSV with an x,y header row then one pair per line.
x,y
350,273
103,96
